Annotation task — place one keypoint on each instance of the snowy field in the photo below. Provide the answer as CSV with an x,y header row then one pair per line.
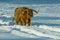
x,y
44,26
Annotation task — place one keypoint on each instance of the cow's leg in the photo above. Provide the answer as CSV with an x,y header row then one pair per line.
x,y
22,22
28,22
17,22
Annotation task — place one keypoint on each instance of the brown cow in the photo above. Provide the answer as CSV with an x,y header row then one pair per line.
x,y
23,15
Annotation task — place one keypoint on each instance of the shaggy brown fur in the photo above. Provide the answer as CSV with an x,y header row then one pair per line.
x,y
23,15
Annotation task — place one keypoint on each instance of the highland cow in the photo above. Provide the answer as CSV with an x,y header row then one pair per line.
x,y
23,15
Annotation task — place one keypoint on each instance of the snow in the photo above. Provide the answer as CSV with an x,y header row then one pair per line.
x,y
35,32
2,22
49,28
30,31
8,29
6,16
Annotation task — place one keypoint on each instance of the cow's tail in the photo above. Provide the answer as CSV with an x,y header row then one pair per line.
x,y
34,10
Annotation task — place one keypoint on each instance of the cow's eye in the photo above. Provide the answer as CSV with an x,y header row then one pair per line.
x,y
25,11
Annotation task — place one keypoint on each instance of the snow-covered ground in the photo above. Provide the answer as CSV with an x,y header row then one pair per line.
x,y
44,26
17,31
